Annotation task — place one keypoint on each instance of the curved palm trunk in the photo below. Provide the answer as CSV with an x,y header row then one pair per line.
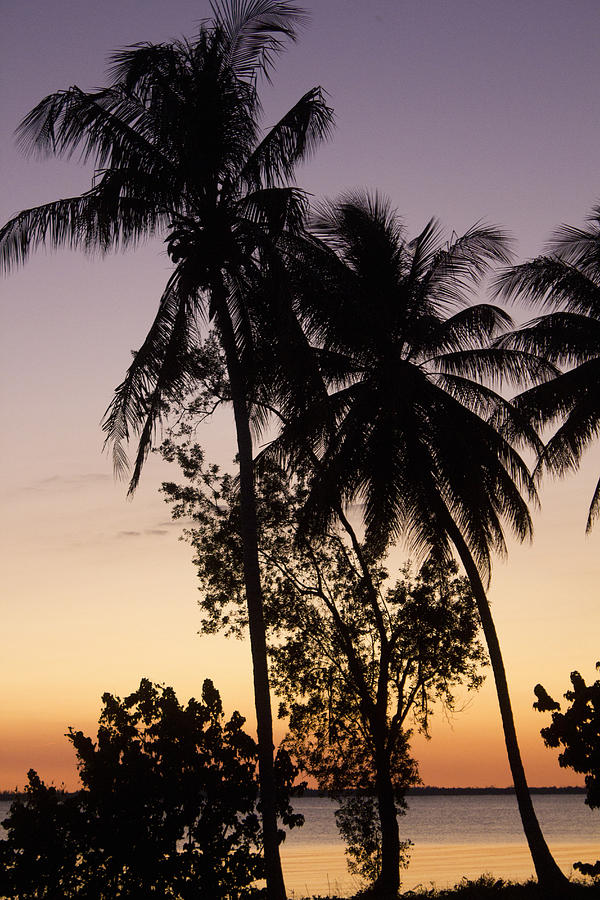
x,y
254,600
548,873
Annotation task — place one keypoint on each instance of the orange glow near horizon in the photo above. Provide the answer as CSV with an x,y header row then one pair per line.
x,y
465,752
106,605
126,608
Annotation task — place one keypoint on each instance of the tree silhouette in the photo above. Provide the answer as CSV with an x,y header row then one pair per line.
x,y
358,656
566,280
167,807
577,732
409,432
176,143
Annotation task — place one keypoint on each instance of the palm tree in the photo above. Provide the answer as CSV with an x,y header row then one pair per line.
x,y
409,431
566,280
178,151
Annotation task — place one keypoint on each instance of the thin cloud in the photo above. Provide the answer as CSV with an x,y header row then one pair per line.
x,y
62,483
145,532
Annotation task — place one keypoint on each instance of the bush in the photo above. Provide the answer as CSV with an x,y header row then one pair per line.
x,y
167,809
577,732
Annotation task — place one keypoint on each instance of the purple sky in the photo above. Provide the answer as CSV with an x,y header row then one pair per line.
x,y
466,110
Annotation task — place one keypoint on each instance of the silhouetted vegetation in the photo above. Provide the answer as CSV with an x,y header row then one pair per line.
x,y
489,887
385,378
577,731
410,425
358,658
178,151
168,808
566,281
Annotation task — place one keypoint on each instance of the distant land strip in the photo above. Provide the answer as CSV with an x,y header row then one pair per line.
x,y
426,790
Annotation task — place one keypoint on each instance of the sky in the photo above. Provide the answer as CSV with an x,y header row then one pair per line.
x,y
467,110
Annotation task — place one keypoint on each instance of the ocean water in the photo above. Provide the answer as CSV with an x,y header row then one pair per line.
x,y
463,819
454,837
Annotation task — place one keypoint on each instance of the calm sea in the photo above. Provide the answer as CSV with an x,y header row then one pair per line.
x,y
453,836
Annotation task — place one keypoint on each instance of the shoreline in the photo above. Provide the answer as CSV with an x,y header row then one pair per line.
x,y
313,870
423,791
434,791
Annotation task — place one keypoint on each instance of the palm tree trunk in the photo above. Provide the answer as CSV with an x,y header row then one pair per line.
x,y
548,873
254,601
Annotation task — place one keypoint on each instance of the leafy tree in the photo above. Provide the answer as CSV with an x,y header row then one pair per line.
x,y
566,281
168,807
40,857
415,431
355,657
178,151
577,730
351,710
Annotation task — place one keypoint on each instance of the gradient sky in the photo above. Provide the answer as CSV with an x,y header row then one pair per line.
x,y
464,109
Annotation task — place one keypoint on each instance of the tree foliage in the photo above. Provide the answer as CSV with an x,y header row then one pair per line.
x,y
168,807
331,691
357,658
359,824
577,732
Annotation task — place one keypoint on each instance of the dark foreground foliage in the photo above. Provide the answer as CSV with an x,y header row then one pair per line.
x,y
168,808
577,733
489,888
358,656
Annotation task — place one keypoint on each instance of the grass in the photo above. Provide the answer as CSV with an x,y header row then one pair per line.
x,y
489,888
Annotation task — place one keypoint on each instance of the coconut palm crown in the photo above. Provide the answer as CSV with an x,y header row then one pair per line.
x,y
415,430
416,383
177,148
566,281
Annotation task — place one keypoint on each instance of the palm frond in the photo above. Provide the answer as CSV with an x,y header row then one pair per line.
x,y
550,282
360,226
577,404
580,247
424,248
98,220
159,373
256,31
273,211
293,139
559,337
469,327
594,510
496,366
135,68
456,270
100,125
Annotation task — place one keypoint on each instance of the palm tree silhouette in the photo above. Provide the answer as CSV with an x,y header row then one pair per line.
x,y
409,431
565,280
177,148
